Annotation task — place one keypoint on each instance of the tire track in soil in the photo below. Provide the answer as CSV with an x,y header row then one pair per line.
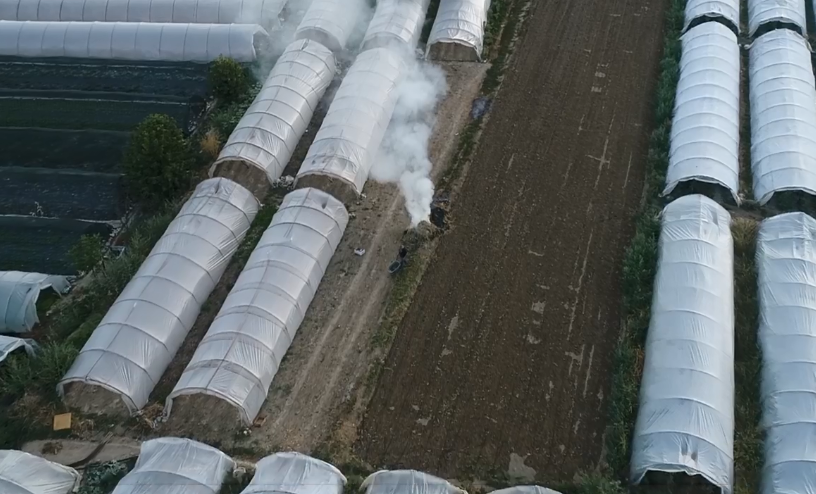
x,y
507,347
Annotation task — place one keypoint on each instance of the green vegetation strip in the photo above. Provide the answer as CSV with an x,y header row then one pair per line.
x,y
747,434
640,263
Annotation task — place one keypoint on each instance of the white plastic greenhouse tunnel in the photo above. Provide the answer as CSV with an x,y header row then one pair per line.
x,y
685,422
727,10
242,350
407,482
396,21
459,30
9,344
269,131
141,41
526,489
786,266
144,328
171,465
791,12
783,115
705,128
263,12
295,473
331,22
19,292
23,473
353,129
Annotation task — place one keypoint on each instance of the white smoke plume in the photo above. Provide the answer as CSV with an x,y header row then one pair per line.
x,y
403,155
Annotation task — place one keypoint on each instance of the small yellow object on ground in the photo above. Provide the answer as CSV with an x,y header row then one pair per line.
x,y
62,421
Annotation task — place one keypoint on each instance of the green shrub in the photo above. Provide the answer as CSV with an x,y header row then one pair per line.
x,y
78,338
39,373
101,478
224,119
87,253
228,80
157,162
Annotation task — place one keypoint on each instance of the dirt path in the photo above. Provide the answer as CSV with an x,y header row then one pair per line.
x,y
325,368
328,359
503,360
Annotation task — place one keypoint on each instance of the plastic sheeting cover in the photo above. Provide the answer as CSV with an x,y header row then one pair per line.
x,y
295,473
22,473
331,22
686,418
355,124
138,337
462,22
787,11
171,465
9,344
142,41
705,128
241,352
407,482
264,12
396,21
526,489
727,9
783,115
19,292
269,131
786,265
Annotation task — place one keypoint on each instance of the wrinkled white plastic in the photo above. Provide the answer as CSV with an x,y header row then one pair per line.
x,y
144,328
726,9
23,473
19,292
685,421
396,21
705,127
353,129
787,11
171,465
295,473
526,489
407,482
144,41
783,115
786,266
263,12
330,22
269,131
242,351
462,22
9,344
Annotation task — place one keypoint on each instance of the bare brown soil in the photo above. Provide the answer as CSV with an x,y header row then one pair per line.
x,y
503,361
244,174
453,52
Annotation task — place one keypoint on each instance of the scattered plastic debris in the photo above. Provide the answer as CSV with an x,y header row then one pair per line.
x,y
480,107
285,182
359,252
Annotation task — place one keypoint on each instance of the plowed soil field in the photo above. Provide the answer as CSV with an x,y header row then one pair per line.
x,y
504,359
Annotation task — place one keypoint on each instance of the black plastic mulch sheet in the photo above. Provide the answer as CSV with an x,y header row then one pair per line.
x,y
82,150
66,194
82,110
42,245
158,78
